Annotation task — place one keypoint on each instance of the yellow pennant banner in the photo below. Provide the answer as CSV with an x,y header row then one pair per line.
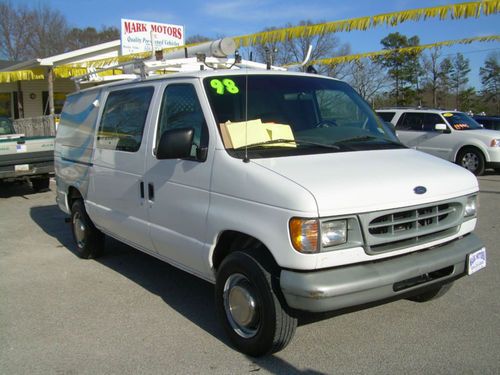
x,y
21,75
453,11
358,56
473,9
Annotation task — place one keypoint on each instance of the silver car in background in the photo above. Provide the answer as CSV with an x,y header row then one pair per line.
x,y
450,135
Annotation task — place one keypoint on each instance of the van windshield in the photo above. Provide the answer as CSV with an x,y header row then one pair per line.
x,y
282,115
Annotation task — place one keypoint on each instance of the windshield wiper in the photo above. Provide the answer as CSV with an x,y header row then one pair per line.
x,y
365,138
284,140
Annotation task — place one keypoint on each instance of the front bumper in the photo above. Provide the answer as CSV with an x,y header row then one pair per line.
x,y
342,287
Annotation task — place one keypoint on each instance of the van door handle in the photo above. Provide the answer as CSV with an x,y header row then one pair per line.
x,y
141,188
151,192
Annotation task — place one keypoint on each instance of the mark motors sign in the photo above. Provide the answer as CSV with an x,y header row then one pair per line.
x,y
137,36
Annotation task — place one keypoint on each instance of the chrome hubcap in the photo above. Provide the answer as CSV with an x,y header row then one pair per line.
x,y
470,161
241,306
79,230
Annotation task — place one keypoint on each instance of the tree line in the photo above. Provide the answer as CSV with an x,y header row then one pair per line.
x,y
27,33
417,78
434,79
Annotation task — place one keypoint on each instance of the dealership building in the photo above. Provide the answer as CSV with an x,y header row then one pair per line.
x,y
36,89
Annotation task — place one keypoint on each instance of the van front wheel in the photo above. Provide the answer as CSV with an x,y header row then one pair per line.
x,y
249,308
89,240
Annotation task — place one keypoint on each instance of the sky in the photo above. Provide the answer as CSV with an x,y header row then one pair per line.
x,y
216,18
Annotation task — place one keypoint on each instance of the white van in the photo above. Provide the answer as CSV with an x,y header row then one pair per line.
x,y
283,189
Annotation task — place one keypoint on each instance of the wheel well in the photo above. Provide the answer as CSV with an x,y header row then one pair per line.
x,y
73,194
231,241
469,147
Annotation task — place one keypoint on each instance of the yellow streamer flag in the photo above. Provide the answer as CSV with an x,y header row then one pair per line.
x,y
359,56
21,75
473,9
453,11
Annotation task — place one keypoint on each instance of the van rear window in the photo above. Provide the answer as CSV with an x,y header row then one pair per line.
x,y
123,119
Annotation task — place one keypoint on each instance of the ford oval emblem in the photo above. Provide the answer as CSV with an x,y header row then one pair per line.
x,y
420,190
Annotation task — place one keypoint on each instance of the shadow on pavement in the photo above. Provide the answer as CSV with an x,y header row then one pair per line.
x,y
51,220
15,189
187,294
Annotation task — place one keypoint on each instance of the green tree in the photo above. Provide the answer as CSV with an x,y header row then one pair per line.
x,y
89,36
458,76
444,82
197,38
403,68
490,79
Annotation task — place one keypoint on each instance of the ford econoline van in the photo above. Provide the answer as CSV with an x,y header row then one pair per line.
x,y
283,189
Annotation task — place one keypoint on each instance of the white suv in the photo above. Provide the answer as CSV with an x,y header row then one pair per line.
x,y
450,135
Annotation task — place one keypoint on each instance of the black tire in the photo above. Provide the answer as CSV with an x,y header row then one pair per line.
x,y
89,240
40,184
432,293
471,159
249,307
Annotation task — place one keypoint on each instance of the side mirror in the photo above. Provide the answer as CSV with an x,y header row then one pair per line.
x,y
442,128
175,144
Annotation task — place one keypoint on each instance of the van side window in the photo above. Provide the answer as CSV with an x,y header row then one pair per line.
x,y
123,119
180,108
411,121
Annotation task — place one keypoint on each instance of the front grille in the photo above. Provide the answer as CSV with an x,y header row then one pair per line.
x,y
396,229
412,220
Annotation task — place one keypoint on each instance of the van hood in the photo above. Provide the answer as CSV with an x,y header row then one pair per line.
x,y
364,181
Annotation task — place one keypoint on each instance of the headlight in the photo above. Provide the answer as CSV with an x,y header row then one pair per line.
x,y
333,232
328,234
495,142
471,206
304,234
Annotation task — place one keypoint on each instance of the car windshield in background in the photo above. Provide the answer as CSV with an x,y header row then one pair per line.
x,y
461,121
283,115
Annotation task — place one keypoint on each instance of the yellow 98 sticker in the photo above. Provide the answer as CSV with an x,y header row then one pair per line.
x,y
224,86
447,114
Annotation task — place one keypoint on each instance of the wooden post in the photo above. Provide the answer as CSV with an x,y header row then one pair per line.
x,y
19,104
50,78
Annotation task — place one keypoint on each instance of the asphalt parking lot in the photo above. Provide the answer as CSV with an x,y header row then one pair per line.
x,y
129,313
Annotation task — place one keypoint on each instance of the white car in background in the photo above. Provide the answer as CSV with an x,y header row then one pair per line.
x,y
450,135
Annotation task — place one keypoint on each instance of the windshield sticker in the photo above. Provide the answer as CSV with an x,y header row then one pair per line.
x,y
461,126
448,114
224,86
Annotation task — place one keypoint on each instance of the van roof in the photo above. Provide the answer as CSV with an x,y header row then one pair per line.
x,y
199,75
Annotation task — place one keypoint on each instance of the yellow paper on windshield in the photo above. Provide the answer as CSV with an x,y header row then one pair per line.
x,y
448,114
280,131
240,134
